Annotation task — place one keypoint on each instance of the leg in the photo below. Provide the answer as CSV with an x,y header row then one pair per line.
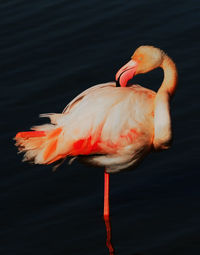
x,y
106,212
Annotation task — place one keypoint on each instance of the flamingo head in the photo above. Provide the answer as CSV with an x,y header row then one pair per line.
x,y
144,59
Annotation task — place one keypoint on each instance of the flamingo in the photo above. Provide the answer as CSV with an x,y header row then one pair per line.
x,y
110,125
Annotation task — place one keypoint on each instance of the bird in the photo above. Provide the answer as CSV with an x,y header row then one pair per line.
x,y
112,125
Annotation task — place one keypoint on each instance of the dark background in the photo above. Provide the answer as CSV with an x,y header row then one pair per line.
x,y
51,50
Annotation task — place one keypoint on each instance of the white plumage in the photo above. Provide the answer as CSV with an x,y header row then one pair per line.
x,y
110,126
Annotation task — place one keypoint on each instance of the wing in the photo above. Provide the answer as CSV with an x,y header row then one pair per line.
x,y
106,119
115,123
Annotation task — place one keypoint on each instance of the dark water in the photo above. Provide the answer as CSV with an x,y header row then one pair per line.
x,y
50,51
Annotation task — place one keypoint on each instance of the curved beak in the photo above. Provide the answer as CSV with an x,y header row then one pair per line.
x,y
126,73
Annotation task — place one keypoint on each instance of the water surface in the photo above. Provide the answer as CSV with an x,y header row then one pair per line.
x,y
51,51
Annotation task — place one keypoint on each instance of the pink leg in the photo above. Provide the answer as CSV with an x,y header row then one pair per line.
x,y
106,212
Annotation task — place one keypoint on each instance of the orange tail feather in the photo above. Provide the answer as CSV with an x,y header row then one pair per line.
x,y
39,146
29,134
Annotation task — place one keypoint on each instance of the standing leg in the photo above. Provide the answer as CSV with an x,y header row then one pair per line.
x,y
106,212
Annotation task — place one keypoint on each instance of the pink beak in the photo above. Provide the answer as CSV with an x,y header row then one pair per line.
x,y
126,73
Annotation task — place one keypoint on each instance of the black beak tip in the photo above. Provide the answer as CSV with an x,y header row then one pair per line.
x,y
117,83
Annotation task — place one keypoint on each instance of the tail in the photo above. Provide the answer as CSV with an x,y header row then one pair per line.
x,y
40,146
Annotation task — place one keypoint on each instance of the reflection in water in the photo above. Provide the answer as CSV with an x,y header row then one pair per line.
x,y
108,239
106,214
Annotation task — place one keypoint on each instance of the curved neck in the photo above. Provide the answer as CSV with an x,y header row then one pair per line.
x,y
162,119
170,76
